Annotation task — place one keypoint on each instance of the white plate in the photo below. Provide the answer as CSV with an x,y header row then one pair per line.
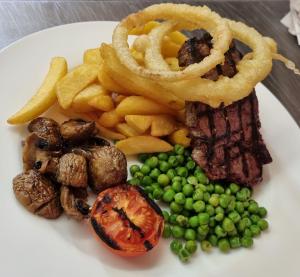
x,y
32,246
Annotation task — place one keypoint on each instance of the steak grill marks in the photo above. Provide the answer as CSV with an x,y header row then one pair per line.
x,y
226,140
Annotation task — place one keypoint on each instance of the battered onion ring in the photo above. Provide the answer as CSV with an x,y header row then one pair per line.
x,y
199,17
227,90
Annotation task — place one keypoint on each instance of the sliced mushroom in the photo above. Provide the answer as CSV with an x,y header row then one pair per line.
x,y
36,158
72,170
37,194
107,167
73,204
48,132
77,130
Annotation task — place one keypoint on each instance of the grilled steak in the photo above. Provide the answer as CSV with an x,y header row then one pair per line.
x,y
226,141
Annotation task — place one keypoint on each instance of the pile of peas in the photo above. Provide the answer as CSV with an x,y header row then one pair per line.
x,y
213,213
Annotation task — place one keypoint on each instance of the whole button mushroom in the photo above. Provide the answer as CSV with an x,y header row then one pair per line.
x,y
107,167
72,171
37,194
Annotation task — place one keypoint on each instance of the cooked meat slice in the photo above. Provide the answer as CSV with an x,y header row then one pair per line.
x,y
77,130
37,194
107,167
48,132
72,170
35,158
73,202
227,142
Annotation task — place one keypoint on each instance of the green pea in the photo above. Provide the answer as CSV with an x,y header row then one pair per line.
x,y
183,181
219,189
154,173
206,246
232,233
150,196
201,187
190,234
164,166
155,186
254,218
219,217
179,149
246,242
166,215
263,224
228,191
175,208
177,179
198,169
171,173
184,255
176,186
201,178
262,212
213,239
163,180
143,157
203,218
167,231
234,216
176,246
253,208
134,182
172,219
245,214
212,222
180,159
198,194
206,196
168,195
190,165
138,175
188,205
243,195
235,242
188,190
145,169
224,245
214,200
199,206
133,169
177,232
186,213
182,220
167,188
162,156
210,209
255,230
248,233
203,230
152,162
179,198
148,189
210,188
146,181
239,207
157,193
219,210
182,171
192,180
228,225
191,246
231,205
234,188
193,221
224,200
173,161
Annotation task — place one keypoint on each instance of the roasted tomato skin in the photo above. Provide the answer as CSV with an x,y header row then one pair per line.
x,y
126,220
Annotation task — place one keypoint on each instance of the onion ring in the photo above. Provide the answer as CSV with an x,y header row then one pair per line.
x,y
200,17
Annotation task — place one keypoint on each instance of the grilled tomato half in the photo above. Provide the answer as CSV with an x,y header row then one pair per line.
x,y
127,220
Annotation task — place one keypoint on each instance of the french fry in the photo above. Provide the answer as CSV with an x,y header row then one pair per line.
x,y
74,82
141,123
138,56
180,137
119,98
162,125
92,56
109,134
110,119
173,63
143,144
102,102
45,96
142,106
169,48
81,100
127,130
177,37
144,29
